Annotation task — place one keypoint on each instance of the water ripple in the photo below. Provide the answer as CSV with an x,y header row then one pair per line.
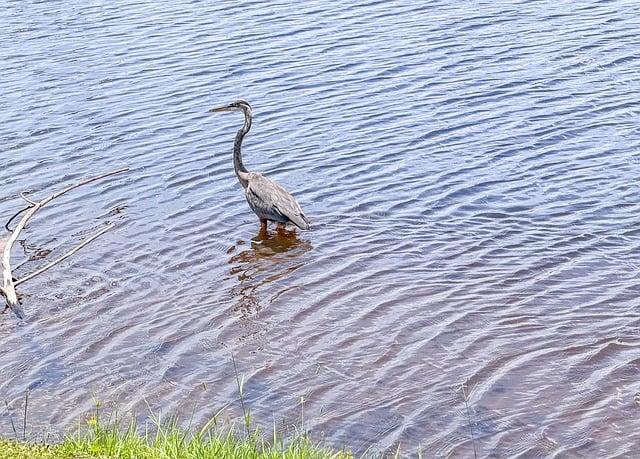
x,y
470,173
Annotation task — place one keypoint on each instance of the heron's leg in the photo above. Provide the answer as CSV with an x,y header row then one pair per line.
x,y
263,234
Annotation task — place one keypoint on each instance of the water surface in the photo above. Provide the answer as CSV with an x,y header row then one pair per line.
x,y
471,172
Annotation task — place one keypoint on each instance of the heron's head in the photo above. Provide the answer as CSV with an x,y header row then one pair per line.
x,y
237,106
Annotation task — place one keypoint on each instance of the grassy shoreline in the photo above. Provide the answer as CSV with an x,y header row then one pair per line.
x,y
166,440
233,448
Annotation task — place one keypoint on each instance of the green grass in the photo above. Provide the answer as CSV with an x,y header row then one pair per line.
x,y
168,441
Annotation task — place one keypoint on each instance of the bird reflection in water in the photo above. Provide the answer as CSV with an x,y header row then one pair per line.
x,y
264,267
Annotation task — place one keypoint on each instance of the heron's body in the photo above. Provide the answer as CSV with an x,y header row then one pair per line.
x,y
268,199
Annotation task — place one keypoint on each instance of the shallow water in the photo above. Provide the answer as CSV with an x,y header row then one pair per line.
x,y
471,173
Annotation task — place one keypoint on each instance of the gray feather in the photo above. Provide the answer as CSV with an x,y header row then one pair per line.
x,y
270,201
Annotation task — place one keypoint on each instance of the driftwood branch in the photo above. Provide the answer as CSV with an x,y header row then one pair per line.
x,y
8,287
63,257
31,203
6,225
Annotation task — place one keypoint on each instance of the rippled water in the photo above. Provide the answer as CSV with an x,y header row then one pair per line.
x,y
471,171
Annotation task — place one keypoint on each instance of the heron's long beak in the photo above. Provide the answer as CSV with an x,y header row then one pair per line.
x,y
224,108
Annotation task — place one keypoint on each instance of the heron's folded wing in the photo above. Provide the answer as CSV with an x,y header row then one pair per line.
x,y
272,199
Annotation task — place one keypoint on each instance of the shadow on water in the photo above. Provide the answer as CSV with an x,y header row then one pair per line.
x,y
270,258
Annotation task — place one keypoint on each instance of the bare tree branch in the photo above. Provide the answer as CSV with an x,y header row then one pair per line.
x,y
6,225
8,284
23,195
65,256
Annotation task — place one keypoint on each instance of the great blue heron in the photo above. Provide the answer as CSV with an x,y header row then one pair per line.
x,y
269,200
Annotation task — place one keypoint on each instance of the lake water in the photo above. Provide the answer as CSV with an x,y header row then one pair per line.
x,y
471,173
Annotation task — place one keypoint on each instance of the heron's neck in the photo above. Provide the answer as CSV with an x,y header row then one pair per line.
x,y
238,165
